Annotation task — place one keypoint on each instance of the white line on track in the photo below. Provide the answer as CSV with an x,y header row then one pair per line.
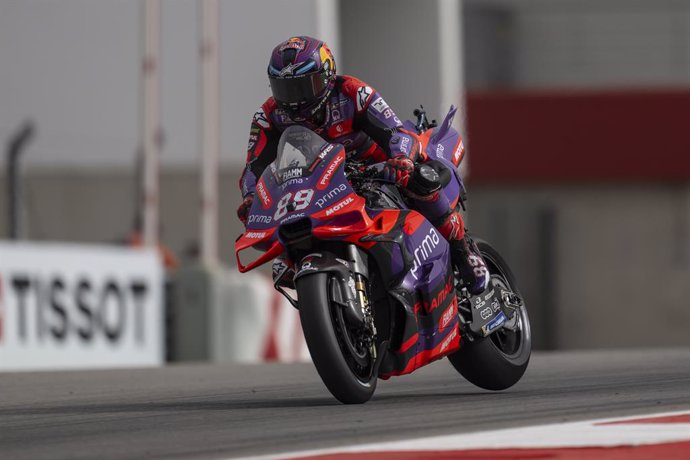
x,y
594,433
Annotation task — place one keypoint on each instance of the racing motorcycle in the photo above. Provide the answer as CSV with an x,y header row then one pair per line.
x,y
376,291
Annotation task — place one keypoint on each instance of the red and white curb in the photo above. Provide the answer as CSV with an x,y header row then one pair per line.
x,y
655,436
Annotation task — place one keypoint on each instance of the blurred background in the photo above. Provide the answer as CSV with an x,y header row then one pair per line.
x,y
574,114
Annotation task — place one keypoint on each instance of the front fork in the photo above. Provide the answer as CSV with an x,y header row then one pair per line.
x,y
360,272
352,294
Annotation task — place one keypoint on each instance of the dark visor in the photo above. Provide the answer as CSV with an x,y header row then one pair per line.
x,y
294,90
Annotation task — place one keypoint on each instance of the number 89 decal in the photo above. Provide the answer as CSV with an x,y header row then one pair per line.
x,y
301,200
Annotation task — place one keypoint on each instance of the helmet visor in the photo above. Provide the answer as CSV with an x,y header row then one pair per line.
x,y
295,90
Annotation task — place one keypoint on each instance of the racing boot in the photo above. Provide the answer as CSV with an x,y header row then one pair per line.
x,y
464,254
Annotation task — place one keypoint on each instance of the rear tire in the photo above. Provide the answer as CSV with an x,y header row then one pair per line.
x,y
498,361
322,326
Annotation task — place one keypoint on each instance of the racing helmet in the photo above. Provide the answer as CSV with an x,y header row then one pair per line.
x,y
302,75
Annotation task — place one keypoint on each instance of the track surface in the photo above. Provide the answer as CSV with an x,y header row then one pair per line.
x,y
200,411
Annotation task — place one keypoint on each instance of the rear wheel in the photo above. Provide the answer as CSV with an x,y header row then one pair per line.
x,y
340,351
498,361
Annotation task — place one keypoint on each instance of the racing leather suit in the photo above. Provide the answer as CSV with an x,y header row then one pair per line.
x,y
357,117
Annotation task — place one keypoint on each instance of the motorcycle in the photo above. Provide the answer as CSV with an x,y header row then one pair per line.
x,y
377,293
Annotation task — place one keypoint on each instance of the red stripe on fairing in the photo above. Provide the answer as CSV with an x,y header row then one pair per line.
x,y
409,343
412,222
669,451
425,357
682,418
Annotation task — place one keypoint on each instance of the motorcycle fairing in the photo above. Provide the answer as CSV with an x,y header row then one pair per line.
x,y
413,259
444,144
430,328
414,262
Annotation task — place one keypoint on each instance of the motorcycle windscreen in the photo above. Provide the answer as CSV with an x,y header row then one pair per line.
x,y
298,149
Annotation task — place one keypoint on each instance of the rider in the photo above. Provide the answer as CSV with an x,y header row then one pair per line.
x,y
345,110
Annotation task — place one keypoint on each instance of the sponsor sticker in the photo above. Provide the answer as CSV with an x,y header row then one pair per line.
x,y
363,95
292,217
334,192
252,141
405,144
448,340
457,155
380,105
330,171
447,316
294,43
439,150
494,324
264,196
260,118
480,302
293,173
340,205
326,151
259,219
424,250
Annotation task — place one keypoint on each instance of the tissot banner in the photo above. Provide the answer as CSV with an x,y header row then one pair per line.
x,y
68,306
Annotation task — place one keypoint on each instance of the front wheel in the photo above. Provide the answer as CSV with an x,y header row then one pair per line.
x,y
498,361
336,347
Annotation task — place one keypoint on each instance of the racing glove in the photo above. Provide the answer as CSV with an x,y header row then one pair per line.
x,y
243,210
398,170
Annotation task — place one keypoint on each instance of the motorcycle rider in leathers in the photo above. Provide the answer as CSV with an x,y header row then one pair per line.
x,y
345,110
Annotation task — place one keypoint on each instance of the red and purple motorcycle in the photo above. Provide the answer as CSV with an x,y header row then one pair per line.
x,y
376,291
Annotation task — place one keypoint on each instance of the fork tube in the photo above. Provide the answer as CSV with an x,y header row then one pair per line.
x,y
358,259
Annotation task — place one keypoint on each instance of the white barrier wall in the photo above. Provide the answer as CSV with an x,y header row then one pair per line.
x,y
225,316
76,306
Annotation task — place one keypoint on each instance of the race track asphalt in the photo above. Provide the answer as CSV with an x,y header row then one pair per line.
x,y
222,411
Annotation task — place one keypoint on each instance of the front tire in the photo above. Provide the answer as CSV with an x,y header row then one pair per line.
x,y
323,324
498,361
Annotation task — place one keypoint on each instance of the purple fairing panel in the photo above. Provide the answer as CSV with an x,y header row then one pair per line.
x,y
430,256
300,197
441,147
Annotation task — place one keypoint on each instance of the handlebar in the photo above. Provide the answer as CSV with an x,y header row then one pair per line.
x,y
360,172
423,123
